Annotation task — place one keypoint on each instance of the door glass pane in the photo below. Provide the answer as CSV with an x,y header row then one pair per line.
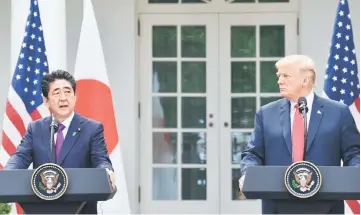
x,y
239,143
164,77
194,148
193,41
268,77
243,77
243,111
164,41
194,181
164,147
165,184
193,77
194,112
164,112
243,41
272,40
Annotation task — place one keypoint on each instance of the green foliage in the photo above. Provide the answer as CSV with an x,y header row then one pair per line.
x,y
41,186
294,184
5,208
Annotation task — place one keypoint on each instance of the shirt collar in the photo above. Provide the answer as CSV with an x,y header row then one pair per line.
x,y
67,121
309,99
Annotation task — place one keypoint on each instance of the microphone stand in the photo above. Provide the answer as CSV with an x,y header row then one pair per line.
x,y
53,130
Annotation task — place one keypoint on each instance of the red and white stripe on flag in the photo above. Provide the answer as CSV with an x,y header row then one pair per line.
x,y
24,100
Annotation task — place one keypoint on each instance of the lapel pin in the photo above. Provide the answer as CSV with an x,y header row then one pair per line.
x,y
77,130
319,112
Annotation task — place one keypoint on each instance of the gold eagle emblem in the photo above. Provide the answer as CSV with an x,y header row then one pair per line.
x,y
49,179
303,179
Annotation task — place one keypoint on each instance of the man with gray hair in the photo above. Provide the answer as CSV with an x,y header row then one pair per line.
x,y
278,135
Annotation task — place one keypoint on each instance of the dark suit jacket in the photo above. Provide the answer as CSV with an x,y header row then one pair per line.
x,y
85,149
332,136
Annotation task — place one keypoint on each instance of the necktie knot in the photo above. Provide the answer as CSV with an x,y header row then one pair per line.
x,y
61,127
297,107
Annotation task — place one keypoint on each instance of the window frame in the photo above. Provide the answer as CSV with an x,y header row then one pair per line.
x,y
216,6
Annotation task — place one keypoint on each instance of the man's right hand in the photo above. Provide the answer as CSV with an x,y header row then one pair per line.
x,y
241,181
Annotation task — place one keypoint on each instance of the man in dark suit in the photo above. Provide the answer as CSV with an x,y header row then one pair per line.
x,y
278,139
79,142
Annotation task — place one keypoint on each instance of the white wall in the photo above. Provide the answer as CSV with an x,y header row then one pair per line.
x,y
117,26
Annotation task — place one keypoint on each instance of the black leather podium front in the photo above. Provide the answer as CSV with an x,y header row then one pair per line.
x,y
85,184
267,183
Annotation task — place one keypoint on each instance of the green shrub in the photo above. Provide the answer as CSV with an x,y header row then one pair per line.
x,y
5,208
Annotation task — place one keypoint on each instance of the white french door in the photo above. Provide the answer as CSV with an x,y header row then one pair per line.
x,y
202,78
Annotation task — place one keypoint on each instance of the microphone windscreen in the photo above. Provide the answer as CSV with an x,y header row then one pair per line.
x,y
302,100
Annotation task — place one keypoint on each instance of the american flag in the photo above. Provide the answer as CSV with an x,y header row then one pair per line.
x,y
24,101
341,78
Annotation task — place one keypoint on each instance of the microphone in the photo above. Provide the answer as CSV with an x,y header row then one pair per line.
x,y
302,103
302,107
53,130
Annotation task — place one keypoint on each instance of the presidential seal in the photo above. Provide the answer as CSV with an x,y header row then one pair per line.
x,y
303,179
49,181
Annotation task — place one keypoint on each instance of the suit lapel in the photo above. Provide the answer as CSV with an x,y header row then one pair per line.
x,y
285,123
315,120
71,137
46,138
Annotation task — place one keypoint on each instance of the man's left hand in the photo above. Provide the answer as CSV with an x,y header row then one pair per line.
x,y
111,177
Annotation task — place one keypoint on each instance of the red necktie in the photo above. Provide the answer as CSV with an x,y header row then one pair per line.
x,y
298,139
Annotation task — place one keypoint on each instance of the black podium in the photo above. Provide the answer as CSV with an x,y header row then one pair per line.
x,y
268,183
85,184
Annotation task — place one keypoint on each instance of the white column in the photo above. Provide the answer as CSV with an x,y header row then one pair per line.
x,y
125,94
52,14
19,13
53,17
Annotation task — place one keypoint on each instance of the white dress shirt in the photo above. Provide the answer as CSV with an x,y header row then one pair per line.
x,y
309,99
